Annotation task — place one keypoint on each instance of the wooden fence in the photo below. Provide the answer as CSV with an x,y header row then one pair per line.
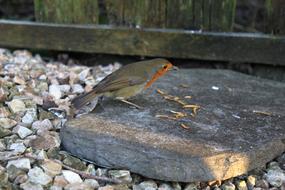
x,y
186,14
195,29
208,15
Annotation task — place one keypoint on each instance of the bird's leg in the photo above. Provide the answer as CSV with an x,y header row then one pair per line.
x,y
130,103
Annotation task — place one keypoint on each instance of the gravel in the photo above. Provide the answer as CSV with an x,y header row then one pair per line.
x,y
51,167
33,93
7,123
38,176
16,106
71,177
23,163
22,131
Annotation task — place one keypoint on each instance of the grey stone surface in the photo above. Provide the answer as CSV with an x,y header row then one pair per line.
x,y
228,136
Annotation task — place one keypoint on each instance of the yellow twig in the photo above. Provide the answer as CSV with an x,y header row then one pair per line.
x,y
262,112
165,117
184,126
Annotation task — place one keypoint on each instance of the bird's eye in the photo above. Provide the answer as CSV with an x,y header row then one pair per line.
x,y
165,67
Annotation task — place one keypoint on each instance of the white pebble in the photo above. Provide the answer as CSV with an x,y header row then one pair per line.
x,y
42,155
16,105
92,183
31,186
150,184
165,186
55,188
22,163
37,176
7,123
77,88
43,77
65,88
22,131
275,177
71,177
54,91
18,147
29,117
83,74
44,125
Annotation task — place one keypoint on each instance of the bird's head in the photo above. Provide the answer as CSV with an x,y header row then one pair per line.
x,y
158,67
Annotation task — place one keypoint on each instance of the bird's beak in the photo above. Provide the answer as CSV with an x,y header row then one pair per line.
x,y
174,68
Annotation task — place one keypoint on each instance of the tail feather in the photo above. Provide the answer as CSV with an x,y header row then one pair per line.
x,y
83,99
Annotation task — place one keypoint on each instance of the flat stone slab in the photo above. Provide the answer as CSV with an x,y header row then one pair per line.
x,y
240,126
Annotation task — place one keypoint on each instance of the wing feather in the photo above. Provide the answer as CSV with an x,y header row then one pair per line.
x,y
110,84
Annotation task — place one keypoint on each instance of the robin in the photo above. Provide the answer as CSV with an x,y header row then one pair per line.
x,y
126,82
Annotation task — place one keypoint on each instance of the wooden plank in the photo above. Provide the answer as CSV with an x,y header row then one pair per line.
x,y
114,12
143,13
206,9
155,13
198,14
207,15
67,11
229,11
267,16
236,47
276,16
183,14
180,14
222,15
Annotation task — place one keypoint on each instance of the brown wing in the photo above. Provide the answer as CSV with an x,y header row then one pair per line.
x,y
110,83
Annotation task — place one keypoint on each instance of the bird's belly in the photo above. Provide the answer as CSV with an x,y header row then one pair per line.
x,y
128,92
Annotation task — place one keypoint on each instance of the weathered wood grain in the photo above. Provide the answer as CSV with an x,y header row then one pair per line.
x,y
208,15
267,16
183,14
67,11
277,17
222,15
237,47
180,14
143,13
